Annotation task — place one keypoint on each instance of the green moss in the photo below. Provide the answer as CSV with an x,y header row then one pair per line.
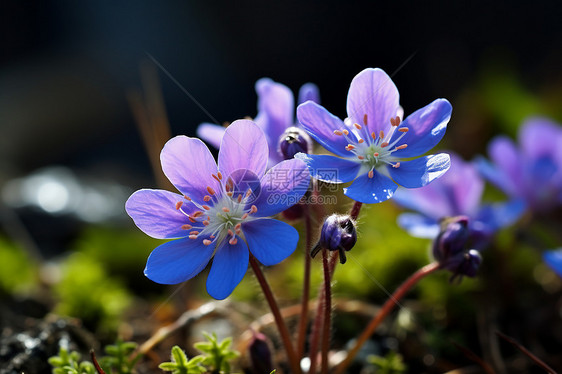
x,y
18,272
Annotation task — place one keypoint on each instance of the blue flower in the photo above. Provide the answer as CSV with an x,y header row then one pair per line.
x,y
222,211
554,260
532,171
276,111
457,193
374,144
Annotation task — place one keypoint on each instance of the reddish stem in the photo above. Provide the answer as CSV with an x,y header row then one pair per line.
x,y
385,310
281,326
303,322
355,209
326,333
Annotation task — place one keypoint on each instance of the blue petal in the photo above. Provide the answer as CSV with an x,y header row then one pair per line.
x,y
371,190
155,213
229,267
418,225
309,91
321,124
177,261
329,168
495,176
243,146
210,133
426,128
554,260
421,171
432,201
281,187
501,215
270,241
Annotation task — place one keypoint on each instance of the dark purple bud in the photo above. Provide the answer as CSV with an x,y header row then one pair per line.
x,y
260,354
309,91
452,239
471,263
338,234
293,141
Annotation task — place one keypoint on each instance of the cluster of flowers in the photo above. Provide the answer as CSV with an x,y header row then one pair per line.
x,y
224,211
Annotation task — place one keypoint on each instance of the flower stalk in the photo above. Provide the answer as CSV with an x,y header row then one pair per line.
x,y
303,322
385,310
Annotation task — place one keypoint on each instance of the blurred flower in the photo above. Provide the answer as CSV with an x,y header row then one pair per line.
x,y
373,143
458,192
338,234
554,260
449,248
222,211
276,110
532,171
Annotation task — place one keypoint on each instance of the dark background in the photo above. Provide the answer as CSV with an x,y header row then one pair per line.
x,y
66,67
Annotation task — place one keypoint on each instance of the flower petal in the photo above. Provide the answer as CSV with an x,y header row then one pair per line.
x,y
177,261
463,186
282,187
373,93
321,124
309,91
211,133
418,225
270,241
155,213
244,146
329,168
500,215
504,153
188,164
432,200
421,171
371,190
229,267
539,137
426,128
276,110
554,260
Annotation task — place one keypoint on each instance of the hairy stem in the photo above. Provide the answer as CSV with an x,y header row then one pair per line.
x,y
326,333
385,310
281,326
303,322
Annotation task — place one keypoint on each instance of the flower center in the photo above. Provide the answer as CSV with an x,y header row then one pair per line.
x,y
374,150
222,214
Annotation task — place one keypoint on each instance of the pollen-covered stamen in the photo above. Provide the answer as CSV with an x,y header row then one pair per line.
x,y
225,209
381,135
206,207
358,126
186,227
192,237
361,157
360,141
244,216
396,165
338,133
402,146
178,205
207,241
376,154
350,147
207,198
253,209
370,174
197,214
194,233
403,129
233,241
384,144
206,223
365,118
210,190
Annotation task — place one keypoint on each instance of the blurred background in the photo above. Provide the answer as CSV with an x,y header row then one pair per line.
x,y
75,77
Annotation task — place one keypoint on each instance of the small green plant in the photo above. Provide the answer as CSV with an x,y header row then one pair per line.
x,y
180,364
69,363
392,363
217,355
118,360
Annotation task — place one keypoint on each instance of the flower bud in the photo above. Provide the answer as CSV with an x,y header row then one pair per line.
x,y
338,234
293,141
260,354
451,239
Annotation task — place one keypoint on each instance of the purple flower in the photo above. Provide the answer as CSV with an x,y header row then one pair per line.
x,y
457,193
276,110
222,211
338,234
554,260
373,142
532,171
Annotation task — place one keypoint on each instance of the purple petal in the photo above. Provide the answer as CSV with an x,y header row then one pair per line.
x,y
321,124
432,200
210,133
504,153
229,267
426,128
539,137
421,171
329,168
282,187
177,261
371,190
373,93
270,241
464,186
418,225
309,91
188,164
276,110
243,146
155,213
495,176
554,260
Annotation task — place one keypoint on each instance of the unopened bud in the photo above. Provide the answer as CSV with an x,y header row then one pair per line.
x,y
293,141
260,354
338,234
